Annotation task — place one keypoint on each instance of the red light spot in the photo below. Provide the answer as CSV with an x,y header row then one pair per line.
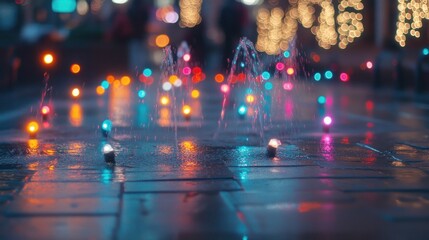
x,y
370,125
315,57
186,70
369,105
280,66
219,78
241,77
196,70
145,80
344,77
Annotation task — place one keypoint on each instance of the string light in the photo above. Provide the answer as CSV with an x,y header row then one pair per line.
x,y
190,13
410,16
277,28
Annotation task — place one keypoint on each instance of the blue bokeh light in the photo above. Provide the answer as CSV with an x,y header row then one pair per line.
x,y
268,86
106,125
266,75
317,76
141,93
105,84
329,74
147,72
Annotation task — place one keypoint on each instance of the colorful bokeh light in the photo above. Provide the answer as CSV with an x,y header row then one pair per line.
x,y
317,76
195,93
75,68
75,92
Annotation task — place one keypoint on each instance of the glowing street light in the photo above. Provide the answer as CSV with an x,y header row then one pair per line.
x,y
242,111
106,127
273,144
45,113
32,129
327,121
109,153
164,100
186,110
48,59
75,93
224,88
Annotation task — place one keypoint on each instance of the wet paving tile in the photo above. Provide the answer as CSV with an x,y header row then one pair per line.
x,y
69,190
366,179
312,219
303,172
17,228
260,198
182,186
383,185
188,216
281,185
396,206
25,207
121,174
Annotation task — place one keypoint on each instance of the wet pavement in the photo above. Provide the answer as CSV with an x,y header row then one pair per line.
x,y
365,179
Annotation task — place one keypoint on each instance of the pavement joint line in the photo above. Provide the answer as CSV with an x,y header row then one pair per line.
x,y
144,180
272,166
384,190
328,177
24,215
117,228
185,191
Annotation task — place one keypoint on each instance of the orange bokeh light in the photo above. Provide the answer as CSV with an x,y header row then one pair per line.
x,y
219,78
164,100
75,92
195,93
32,127
162,40
100,90
75,68
125,80
48,58
250,98
186,110
110,79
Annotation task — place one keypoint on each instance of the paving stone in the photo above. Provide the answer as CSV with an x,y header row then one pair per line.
x,y
253,198
182,186
383,185
69,190
184,216
48,228
313,219
303,172
281,185
61,206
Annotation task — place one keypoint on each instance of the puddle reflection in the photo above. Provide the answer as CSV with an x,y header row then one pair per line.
x,y
327,147
76,115
164,117
33,147
120,106
143,115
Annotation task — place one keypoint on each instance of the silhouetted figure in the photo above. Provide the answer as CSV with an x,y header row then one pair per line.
x,y
232,20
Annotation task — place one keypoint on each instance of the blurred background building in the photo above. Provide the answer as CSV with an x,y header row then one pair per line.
x,y
128,35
